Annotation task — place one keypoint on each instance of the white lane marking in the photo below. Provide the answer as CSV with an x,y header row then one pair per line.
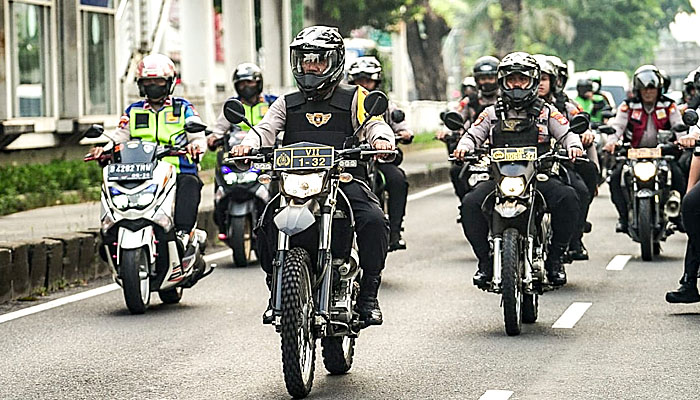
x,y
496,395
428,192
571,315
58,302
618,262
85,295
111,287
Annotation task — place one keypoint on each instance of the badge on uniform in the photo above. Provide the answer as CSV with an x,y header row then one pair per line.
x,y
170,118
263,110
660,113
636,115
141,121
510,125
318,119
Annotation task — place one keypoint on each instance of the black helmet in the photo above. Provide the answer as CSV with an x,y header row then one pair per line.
x,y
546,67
689,83
647,76
584,85
365,67
562,71
696,79
519,63
596,79
317,44
467,83
484,67
248,72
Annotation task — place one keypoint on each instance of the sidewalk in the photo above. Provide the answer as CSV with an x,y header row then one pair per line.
x,y
49,221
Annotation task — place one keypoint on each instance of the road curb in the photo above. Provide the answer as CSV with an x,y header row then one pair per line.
x,y
48,264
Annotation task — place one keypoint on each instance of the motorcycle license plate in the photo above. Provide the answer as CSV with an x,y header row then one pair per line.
x,y
514,154
644,152
304,158
129,172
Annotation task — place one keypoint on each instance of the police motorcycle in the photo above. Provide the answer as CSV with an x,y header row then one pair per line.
x,y
605,159
646,183
520,223
316,273
139,240
244,196
375,177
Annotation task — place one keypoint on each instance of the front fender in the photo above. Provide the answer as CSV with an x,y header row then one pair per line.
x,y
644,194
294,218
241,209
144,237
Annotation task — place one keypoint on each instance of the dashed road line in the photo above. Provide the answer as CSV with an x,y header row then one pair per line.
x,y
496,395
572,315
429,192
618,262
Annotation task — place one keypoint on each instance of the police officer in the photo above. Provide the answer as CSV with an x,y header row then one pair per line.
x,y
317,60
161,118
581,176
690,211
248,84
642,117
367,72
518,79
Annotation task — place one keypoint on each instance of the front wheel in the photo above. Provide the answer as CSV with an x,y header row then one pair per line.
x,y
511,283
171,296
240,239
136,282
645,229
338,352
297,324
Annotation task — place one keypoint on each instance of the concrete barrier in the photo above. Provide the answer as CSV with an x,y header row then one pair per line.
x,y
27,267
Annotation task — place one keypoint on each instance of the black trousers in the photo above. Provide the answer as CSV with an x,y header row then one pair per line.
x,y
371,228
584,197
187,197
618,196
690,212
397,187
561,199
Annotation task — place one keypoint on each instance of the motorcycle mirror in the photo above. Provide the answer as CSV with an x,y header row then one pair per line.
x,y
376,103
607,129
442,116
234,111
579,124
453,121
94,131
397,116
194,127
690,117
664,136
680,128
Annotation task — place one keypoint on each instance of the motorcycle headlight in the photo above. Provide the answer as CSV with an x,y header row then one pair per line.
x,y
644,170
231,178
138,200
247,177
512,186
302,186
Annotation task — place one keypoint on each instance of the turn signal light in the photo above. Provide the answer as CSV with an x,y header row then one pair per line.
x,y
264,179
345,177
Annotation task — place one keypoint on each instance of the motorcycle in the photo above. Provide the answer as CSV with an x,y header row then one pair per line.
x,y
316,275
243,197
139,240
520,224
646,182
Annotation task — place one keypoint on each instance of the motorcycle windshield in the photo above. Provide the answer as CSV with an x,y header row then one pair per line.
x,y
516,168
136,151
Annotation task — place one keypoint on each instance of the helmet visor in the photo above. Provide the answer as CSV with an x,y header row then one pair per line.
x,y
317,62
647,79
521,79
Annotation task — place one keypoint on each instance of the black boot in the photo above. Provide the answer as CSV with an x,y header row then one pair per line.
x,y
621,226
367,304
687,293
396,242
577,251
483,275
555,269
268,316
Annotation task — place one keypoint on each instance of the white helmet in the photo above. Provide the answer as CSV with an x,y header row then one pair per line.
x,y
155,66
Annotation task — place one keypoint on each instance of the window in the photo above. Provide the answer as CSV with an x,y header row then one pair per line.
x,y
31,60
99,69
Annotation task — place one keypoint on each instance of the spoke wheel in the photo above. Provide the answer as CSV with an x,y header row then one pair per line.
x,y
512,295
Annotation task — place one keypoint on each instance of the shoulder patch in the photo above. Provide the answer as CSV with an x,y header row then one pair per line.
x,y
559,117
672,108
480,118
624,107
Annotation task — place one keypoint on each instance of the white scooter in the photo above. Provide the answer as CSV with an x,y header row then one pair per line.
x,y
139,240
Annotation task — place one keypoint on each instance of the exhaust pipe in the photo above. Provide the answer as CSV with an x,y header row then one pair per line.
x,y
672,208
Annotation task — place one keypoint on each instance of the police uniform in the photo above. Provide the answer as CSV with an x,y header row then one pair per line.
x,y
396,183
166,127
331,122
641,124
535,127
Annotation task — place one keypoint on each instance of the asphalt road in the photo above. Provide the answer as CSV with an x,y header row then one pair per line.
x,y
442,338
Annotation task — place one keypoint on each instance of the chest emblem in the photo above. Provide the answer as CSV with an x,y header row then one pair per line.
x,y
171,118
636,115
510,125
318,119
283,160
660,113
